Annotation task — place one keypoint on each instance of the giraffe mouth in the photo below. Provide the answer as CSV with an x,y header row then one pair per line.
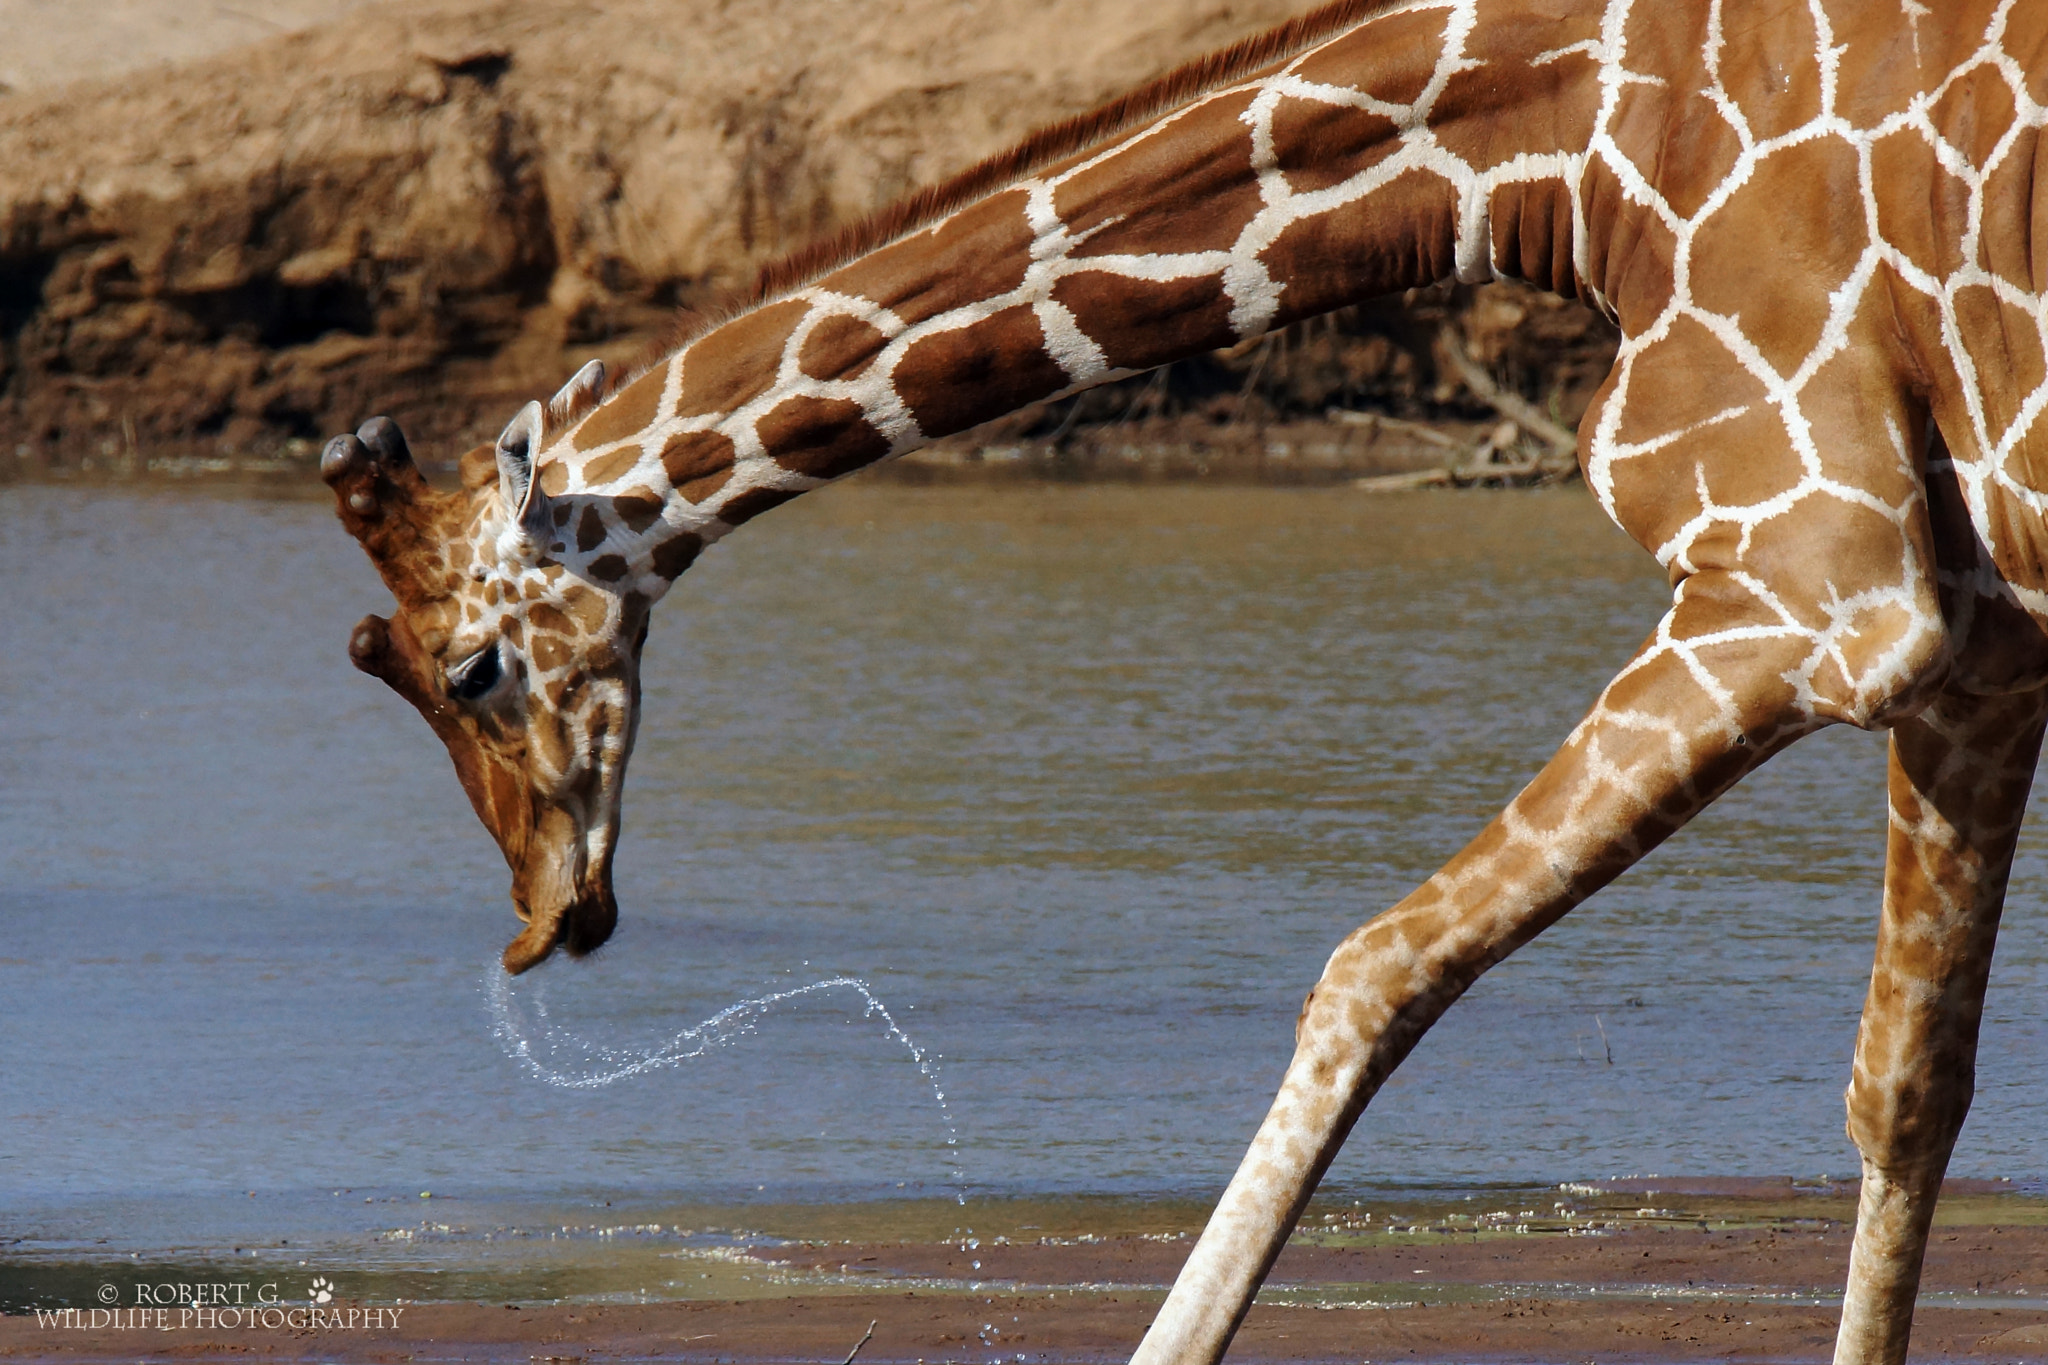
x,y
581,926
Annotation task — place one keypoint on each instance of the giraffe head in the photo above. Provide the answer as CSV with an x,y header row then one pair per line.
x,y
519,645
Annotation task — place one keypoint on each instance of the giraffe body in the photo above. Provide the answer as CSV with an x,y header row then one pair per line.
x,y
1813,222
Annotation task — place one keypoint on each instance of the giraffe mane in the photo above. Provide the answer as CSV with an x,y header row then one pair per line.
x,y
923,207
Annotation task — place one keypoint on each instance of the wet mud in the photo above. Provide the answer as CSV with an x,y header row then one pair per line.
x,y
1754,1276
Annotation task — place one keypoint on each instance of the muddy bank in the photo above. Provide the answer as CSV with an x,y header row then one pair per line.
x,y
1651,1295
1743,1268
1050,1329
437,209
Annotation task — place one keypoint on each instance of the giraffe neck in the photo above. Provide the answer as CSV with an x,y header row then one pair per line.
x,y
1416,147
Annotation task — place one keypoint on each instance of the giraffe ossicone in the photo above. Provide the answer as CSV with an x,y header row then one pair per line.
x,y
1815,224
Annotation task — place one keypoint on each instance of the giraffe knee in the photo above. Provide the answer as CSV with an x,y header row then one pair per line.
x,y
1874,650
1907,1123
1885,679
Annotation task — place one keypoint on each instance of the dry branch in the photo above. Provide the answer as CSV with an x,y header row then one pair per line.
x,y
1512,406
858,1344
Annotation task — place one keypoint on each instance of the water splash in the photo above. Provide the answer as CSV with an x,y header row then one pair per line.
x,y
543,1052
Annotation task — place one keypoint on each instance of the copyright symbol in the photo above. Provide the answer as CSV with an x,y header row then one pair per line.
x,y
108,1293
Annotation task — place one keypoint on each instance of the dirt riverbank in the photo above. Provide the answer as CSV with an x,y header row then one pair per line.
x,y
217,248
1691,1274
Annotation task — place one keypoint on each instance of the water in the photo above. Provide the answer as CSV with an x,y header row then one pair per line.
x,y
1084,783
562,1058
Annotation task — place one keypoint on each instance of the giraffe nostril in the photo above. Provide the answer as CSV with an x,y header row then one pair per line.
x,y
382,438
344,456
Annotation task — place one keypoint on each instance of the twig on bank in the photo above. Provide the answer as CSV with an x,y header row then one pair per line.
x,y
1512,406
1401,483
858,1344
1420,431
1477,473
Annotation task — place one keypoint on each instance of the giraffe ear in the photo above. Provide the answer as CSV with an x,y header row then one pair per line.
x,y
517,446
519,492
578,395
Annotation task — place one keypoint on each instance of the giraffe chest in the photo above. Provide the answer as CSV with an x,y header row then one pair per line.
x,y
1990,541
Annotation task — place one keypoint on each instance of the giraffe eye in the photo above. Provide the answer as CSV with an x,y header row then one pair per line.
x,y
474,677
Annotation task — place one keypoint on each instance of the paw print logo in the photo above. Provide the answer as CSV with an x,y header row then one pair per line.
x,y
323,1289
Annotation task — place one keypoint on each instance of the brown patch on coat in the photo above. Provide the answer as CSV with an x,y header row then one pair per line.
x,y
989,242
840,347
1186,187
752,503
587,607
1847,405
1658,492
2026,38
2005,347
2009,245
624,415
506,792
1678,139
549,654
1317,145
691,455
952,380
1669,40
1685,380
1551,108
1780,296
608,568
1329,259
1974,113
1531,222
1630,252
1142,323
554,478
637,511
743,364
703,488
676,554
1770,68
1858,544
606,468
477,467
1880,72
1921,208
1392,62
545,616
590,530
821,437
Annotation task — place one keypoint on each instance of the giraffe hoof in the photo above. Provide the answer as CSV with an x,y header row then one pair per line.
x,y
385,441
344,456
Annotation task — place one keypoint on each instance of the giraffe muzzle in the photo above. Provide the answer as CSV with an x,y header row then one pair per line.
x,y
581,928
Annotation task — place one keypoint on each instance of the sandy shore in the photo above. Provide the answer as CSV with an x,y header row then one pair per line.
x,y
1662,1293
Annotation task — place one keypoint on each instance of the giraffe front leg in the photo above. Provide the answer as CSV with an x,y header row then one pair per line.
x,y
1960,773
1722,685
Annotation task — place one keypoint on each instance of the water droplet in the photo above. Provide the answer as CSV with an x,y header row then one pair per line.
x,y
545,1052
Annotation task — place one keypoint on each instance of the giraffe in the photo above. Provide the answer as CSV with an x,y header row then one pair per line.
x,y
1812,221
